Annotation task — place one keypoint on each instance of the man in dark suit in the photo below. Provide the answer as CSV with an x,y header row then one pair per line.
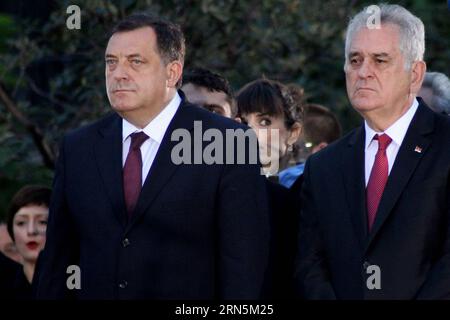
x,y
375,222
194,231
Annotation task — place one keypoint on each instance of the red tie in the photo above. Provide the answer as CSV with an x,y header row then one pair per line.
x,y
378,178
132,171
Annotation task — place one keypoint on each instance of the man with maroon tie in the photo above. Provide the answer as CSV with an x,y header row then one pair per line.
x,y
135,223
376,217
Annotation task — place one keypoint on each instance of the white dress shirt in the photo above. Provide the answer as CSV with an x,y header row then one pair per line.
x,y
396,132
155,130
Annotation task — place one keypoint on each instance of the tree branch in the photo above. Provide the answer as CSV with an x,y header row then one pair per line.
x,y
38,138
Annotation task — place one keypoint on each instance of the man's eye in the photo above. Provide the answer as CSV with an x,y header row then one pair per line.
x,y
110,62
20,223
136,62
43,222
379,61
354,61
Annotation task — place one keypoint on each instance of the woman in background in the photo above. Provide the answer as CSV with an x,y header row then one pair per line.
x,y
275,112
27,223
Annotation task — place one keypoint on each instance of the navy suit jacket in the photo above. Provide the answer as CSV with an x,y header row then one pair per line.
x,y
410,238
198,231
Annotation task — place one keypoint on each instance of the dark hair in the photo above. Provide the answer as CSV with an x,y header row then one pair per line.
x,y
169,37
211,81
28,195
272,97
320,124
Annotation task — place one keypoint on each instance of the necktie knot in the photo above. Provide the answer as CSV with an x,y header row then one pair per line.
x,y
383,141
137,139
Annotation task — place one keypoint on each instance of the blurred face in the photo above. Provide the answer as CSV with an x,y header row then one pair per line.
x,y
29,227
377,81
7,246
137,80
273,137
427,96
214,101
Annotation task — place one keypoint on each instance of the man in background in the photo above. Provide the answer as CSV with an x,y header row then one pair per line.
x,y
435,92
209,90
320,128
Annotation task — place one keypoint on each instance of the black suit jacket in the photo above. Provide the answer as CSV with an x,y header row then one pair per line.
x,y
198,231
8,271
284,220
410,238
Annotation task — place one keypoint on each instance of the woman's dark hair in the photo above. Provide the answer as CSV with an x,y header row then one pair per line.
x,y
28,195
272,97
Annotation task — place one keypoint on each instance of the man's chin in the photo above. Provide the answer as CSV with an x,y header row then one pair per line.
x,y
363,105
123,108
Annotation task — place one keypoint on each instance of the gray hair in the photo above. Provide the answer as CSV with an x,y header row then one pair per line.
x,y
412,31
439,84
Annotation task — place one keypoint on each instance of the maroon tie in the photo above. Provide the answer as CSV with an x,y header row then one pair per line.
x,y
132,171
378,178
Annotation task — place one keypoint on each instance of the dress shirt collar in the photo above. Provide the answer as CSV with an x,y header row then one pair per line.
x,y
397,130
158,126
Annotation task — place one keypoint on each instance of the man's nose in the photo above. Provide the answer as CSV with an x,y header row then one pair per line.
x,y
365,70
120,72
32,228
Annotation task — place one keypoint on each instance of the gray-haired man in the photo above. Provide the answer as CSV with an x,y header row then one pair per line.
x,y
376,215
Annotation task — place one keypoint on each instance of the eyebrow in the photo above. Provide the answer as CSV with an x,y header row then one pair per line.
x,y
381,55
27,215
376,55
133,55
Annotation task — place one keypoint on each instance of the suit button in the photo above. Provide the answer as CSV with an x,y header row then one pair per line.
x,y
123,284
125,242
366,264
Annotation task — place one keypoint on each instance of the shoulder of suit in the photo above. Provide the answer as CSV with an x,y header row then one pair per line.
x,y
444,120
337,147
87,131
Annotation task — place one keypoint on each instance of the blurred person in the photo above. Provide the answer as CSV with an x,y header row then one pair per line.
x,y
7,246
27,222
138,225
271,105
272,108
435,92
375,223
320,128
209,90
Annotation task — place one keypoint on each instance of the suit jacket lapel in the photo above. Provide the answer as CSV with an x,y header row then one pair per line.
x,y
353,175
108,155
405,164
163,167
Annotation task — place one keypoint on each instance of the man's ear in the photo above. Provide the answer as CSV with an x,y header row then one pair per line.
x,y
174,71
418,70
295,132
